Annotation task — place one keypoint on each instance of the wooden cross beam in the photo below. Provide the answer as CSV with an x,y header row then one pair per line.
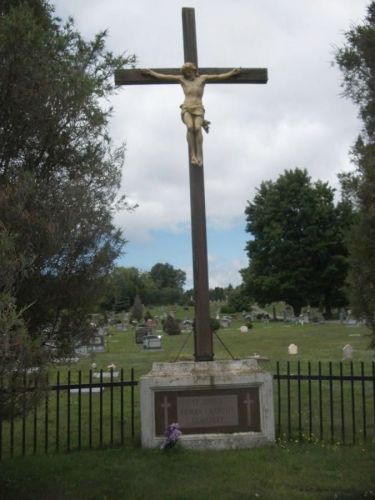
x,y
203,344
135,76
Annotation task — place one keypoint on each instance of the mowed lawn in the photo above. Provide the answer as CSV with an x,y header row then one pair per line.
x,y
286,470
316,342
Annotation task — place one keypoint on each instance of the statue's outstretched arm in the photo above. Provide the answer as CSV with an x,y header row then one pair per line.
x,y
223,76
160,76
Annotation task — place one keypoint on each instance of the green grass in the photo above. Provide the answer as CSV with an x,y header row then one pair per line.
x,y
287,471
316,342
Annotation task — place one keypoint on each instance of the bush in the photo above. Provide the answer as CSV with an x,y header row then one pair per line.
x,y
214,324
148,315
171,326
227,310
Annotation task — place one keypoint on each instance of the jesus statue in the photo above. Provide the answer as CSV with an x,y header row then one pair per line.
x,y
192,110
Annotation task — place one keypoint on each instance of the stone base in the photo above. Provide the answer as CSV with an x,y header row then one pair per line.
x,y
218,404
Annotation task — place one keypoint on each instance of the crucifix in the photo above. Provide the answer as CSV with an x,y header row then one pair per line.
x,y
192,114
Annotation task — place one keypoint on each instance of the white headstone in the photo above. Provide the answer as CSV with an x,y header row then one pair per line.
x,y
244,329
347,351
292,349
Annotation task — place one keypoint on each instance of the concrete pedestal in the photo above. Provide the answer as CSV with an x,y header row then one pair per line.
x,y
218,404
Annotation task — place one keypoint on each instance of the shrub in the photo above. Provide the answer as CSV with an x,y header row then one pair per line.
x,y
227,310
148,315
171,326
214,324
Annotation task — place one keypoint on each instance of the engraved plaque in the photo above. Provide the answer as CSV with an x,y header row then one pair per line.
x,y
207,411
203,411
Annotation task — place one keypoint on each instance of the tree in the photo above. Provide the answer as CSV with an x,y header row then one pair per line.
x,y
59,172
18,353
171,325
238,299
356,60
217,293
166,276
137,310
168,282
120,288
297,253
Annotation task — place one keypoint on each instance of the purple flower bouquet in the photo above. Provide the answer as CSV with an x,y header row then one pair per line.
x,y
171,436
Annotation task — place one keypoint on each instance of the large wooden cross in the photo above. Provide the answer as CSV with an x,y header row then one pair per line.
x,y
202,333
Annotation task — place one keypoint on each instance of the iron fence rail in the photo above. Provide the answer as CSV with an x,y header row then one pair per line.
x,y
332,402
77,413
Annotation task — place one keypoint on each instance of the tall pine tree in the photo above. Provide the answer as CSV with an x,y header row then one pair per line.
x,y
356,60
59,172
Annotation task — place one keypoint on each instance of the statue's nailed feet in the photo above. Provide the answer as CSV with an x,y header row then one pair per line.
x,y
196,161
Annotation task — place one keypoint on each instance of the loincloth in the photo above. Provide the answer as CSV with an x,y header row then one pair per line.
x,y
196,110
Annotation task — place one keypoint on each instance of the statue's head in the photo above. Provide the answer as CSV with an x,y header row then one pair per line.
x,y
188,69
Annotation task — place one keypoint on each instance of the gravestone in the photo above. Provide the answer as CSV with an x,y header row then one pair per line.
x,y
96,344
102,374
87,390
348,351
152,342
292,349
218,404
244,329
141,332
225,323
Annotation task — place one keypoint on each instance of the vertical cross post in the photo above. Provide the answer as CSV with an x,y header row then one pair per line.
x,y
203,348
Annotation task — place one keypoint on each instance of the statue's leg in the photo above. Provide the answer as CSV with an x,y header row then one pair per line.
x,y
198,122
190,136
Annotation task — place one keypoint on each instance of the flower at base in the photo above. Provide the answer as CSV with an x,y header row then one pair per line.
x,y
172,434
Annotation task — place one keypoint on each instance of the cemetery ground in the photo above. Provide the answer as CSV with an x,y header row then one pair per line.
x,y
293,468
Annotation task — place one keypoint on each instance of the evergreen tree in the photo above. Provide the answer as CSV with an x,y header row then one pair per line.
x,y
59,172
137,309
18,352
356,60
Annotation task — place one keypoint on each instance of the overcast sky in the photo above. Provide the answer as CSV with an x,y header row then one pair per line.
x,y
298,119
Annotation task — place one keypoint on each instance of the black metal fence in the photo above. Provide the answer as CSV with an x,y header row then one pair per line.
x,y
80,411
332,402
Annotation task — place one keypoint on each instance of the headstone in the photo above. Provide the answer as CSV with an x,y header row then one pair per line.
x,y
352,322
33,369
152,342
244,329
110,374
66,361
141,332
348,351
87,390
187,325
96,344
292,349
225,323
288,314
